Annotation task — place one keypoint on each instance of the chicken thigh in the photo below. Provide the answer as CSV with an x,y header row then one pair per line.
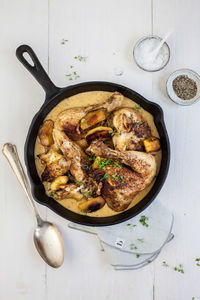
x,y
121,184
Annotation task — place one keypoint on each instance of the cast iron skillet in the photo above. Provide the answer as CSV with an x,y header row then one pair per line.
x,y
53,96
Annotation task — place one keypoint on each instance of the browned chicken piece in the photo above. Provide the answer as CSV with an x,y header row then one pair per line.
x,y
68,191
75,121
72,152
130,129
56,165
121,184
45,133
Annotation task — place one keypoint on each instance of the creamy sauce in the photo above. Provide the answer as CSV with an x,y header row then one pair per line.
x,y
85,99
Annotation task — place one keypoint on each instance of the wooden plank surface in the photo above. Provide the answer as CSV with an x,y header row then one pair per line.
x,y
105,32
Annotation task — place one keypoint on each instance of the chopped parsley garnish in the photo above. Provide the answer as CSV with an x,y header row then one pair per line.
x,y
85,193
80,58
105,176
87,167
91,157
64,41
197,262
164,264
79,183
116,165
52,194
131,226
71,67
126,145
144,136
133,247
153,139
137,107
83,121
141,240
72,75
179,269
112,133
102,162
137,255
143,220
149,261
122,178
115,177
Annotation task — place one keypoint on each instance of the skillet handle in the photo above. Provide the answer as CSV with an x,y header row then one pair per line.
x,y
37,70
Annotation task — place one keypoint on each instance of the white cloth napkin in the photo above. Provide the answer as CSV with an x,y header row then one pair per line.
x,y
134,243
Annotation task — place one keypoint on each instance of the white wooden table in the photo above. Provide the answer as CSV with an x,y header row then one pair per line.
x,y
105,31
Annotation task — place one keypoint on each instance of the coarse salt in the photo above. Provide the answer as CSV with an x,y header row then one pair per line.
x,y
148,55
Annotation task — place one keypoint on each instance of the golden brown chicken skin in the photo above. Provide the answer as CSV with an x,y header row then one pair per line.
x,y
121,184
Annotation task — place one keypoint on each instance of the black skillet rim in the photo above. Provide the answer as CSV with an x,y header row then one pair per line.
x,y
37,186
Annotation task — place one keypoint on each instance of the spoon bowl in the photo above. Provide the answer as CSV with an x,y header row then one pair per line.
x,y
49,243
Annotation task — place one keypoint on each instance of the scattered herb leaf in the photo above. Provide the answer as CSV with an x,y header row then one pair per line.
x,y
83,121
137,107
197,262
52,194
117,165
149,261
164,264
122,178
137,255
72,75
91,157
85,193
143,220
131,226
133,246
87,167
80,58
64,41
144,136
141,240
105,176
179,269
103,162
79,183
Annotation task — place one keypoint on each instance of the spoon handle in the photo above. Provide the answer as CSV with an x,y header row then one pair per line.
x,y
10,152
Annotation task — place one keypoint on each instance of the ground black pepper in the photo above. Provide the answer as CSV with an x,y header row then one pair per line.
x,y
184,87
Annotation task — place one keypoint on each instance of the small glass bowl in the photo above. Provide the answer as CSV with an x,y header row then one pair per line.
x,y
141,41
170,91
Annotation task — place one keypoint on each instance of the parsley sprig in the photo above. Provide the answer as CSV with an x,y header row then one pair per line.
x,y
80,58
64,41
133,246
74,75
143,220
164,264
179,269
197,262
137,107
131,226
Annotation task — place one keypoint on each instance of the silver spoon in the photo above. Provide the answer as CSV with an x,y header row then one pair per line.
x,y
47,237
